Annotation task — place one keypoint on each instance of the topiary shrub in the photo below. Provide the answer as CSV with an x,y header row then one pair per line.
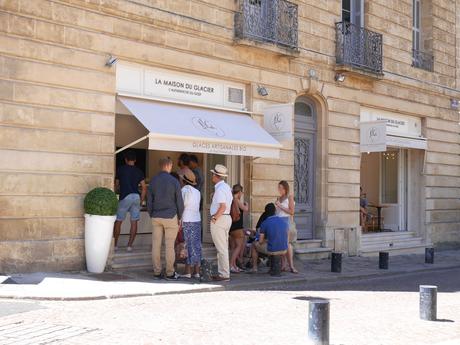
x,y
101,202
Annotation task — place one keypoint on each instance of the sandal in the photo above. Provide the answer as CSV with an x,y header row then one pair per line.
x,y
234,270
293,270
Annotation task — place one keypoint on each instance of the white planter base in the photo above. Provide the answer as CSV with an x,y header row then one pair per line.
x,y
98,237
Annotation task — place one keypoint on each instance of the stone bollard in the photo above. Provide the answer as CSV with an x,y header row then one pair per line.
x,y
318,322
429,255
275,266
336,262
383,260
428,302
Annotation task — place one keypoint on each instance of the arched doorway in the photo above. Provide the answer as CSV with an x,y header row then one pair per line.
x,y
304,166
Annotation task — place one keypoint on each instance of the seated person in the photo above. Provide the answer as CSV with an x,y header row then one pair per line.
x,y
273,238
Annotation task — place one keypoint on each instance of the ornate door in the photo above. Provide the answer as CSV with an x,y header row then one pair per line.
x,y
304,167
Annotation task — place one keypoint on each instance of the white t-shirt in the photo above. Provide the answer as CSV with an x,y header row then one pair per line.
x,y
282,213
222,194
192,199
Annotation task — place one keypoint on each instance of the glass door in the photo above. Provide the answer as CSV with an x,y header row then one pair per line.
x,y
393,189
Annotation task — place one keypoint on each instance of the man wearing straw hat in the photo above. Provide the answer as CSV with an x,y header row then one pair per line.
x,y
221,220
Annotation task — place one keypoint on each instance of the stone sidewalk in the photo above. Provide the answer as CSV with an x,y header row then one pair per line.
x,y
86,286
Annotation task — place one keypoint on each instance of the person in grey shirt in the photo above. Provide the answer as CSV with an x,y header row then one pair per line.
x,y
165,207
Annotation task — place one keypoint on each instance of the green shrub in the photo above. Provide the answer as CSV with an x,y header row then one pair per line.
x,y
101,202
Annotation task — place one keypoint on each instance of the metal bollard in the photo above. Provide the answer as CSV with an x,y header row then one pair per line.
x,y
383,260
428,302
336,262
429,255
318,322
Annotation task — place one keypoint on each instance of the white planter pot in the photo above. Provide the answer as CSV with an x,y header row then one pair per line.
x,y
98,237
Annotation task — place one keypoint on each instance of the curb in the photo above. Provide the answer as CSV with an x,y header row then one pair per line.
x,y
263,285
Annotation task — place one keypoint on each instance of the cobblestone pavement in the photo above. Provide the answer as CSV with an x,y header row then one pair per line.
x,y
381,310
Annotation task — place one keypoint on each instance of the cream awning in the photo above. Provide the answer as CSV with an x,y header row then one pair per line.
x,y
183,128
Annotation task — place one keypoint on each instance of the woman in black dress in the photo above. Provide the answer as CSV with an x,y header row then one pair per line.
x,y
236,230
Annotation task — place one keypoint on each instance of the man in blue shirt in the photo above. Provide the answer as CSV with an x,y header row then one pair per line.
x,y
127,180
273,238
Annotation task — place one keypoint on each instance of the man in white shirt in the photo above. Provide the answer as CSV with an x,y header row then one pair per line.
x,y
221,220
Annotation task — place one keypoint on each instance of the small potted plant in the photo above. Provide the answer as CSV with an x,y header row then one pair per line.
x,y
100,206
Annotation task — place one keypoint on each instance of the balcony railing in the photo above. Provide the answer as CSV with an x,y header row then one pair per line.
x,y
358,48
271,21
422,60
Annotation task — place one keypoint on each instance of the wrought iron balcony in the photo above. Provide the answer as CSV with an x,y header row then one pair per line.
x,y
358,48
422,60
271,21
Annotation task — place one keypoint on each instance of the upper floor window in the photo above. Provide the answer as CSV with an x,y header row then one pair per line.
x,y
353,12
357,47
422,27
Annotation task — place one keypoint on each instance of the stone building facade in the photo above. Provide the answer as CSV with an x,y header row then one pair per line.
x,y
58,110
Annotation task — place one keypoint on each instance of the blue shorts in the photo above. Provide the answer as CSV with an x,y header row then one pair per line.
x,y
132,204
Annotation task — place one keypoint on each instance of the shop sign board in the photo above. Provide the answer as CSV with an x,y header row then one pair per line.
x,y
278,121
162,84
397,124
373,136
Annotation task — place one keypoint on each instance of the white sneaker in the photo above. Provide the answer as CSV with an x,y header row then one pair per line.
x,y
129,249
196,276
188,276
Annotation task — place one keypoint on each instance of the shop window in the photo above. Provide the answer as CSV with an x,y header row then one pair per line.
x,y
389,177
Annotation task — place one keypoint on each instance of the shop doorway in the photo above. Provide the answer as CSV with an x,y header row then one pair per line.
x,y
304,166
127,130
392,183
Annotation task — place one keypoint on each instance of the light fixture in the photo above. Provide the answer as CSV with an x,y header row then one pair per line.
x,y
340,77
112,60
454,104
312,73
262,91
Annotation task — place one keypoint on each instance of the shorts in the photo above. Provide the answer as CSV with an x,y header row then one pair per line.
x,y
262,249
236,234
132,204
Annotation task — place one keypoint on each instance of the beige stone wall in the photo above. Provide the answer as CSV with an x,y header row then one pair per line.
x,y
57,103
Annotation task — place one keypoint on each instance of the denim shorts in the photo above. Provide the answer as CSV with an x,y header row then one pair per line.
x,y
132,204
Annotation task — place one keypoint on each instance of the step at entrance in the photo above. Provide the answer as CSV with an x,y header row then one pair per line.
x,y
397,243
311,250
141,257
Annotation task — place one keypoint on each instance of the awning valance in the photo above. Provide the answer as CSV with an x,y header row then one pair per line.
x,y
174,127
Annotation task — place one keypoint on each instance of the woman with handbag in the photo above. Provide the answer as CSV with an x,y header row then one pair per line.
x,y
237,237
285,208
191,224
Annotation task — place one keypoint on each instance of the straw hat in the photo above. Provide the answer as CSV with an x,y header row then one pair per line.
x,y
220,170
188,176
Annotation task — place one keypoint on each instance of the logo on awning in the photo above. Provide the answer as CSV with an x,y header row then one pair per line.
x,y
207,127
